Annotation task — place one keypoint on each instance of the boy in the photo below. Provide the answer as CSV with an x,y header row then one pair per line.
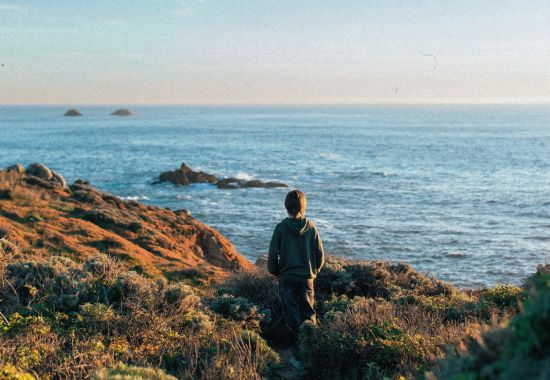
x,y
296,256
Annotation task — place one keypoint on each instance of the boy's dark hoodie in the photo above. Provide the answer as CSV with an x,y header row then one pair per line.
x,y
296,250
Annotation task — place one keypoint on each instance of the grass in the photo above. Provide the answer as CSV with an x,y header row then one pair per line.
x,y
63,318
67,319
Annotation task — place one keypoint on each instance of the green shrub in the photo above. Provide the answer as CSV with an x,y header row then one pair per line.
x,y
368,337
517,350
239,309
70,318
503,296
10,372
124,372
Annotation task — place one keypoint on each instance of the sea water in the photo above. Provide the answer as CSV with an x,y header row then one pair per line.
x,y
459,192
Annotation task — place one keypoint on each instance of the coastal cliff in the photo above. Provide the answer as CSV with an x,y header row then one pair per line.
x,y
39,211
92,286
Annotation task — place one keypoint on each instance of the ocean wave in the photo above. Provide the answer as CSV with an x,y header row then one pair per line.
x,y
136,198
331,156
244,176
380,173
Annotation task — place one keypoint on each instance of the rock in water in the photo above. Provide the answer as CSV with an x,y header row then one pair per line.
x,y
40,171
122,112
73,112
235,183
185,175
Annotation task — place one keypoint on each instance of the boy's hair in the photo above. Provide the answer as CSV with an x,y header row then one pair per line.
x,y
295,203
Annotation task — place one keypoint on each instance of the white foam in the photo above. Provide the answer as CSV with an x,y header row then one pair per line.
x,y
332,156
136,198
244,176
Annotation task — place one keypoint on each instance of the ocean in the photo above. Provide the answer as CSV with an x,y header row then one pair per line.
x,y
459,192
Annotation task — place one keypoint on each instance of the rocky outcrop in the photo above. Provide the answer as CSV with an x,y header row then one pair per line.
x,y
185,175
122,112
39,214
72,112
39,174
39,170
17,168
236,183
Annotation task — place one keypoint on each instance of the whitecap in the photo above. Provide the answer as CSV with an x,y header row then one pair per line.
x,y
244,176
136,198
331,156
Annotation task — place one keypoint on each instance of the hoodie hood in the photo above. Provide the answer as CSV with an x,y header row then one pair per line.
x,y
298,227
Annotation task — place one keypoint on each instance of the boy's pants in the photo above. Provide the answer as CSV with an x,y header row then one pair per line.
x,y
297,300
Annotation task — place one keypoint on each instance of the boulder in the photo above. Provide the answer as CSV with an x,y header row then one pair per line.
x,y
58,179
235,183
275,184
17,168
252,183
122,112
185,175
72,112
228,183
176,177
201,177
39,170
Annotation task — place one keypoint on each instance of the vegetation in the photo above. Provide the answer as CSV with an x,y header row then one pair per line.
x,y
67,319
377,319
518,349
96,319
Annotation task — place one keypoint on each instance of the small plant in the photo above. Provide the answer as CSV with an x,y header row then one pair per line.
x,y
10,372
239,309
124,372
517,350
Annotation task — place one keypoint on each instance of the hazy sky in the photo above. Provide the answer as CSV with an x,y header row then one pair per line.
x,y
258,51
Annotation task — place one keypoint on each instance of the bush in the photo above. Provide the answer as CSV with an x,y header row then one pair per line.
x,y
70,318
517,350
239,309
503,296
369,338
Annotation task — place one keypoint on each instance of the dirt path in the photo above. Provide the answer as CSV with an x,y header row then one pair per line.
x,y
287,368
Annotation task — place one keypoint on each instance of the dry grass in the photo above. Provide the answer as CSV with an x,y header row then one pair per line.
x,y
66,319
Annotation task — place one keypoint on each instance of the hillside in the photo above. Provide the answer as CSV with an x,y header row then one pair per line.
x,y
39,212
95,287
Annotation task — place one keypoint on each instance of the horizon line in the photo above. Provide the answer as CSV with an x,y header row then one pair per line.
x,y
72,105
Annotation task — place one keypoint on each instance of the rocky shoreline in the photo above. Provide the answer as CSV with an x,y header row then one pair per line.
x,y
38,209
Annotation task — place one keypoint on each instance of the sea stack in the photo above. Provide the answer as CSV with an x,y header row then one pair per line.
x,y
73,112
122,112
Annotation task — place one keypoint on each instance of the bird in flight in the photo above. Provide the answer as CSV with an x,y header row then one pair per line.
x,y
396,89
430,55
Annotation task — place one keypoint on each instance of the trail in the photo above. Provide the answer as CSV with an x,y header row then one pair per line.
x,y
287,369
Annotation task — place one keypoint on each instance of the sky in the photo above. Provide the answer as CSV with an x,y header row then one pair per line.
x,y
274,52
